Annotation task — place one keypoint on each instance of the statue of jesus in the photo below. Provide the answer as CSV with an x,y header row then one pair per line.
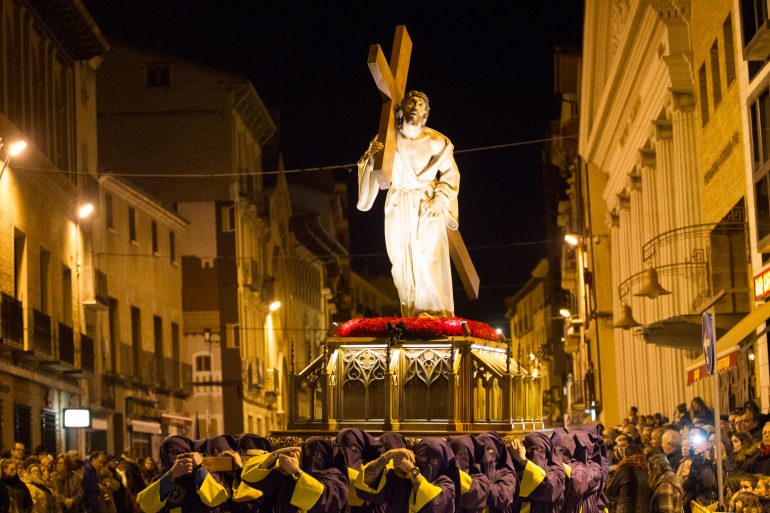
x,y
420,207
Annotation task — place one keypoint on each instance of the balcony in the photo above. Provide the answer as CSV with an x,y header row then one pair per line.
x,y
11,324
95,295
186,384
147,372
66,344
40,337
87,358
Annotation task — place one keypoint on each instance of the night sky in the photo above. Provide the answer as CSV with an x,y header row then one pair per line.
x,y
487,70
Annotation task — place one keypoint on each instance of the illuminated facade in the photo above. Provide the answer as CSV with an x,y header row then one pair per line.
x,y
48,56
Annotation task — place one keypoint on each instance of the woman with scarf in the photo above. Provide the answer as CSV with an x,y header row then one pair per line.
x,y
667,493
628,485
359,448
426,480
542,479
498,467
311,479
21,500
185,485
43,499
474,484
744,450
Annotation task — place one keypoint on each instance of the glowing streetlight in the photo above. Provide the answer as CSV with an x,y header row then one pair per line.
x,y
13,150
564,312
571,239
499,331
275,305
85,210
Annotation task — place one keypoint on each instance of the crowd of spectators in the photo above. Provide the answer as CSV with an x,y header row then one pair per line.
x,y
41,482
650,451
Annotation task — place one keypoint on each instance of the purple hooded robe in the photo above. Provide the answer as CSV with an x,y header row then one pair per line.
x,y
241,500
325,464
438,492
584,449
359,448
577,474
498,466
600,457
474,484
542,479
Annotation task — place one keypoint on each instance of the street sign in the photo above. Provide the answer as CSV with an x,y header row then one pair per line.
x,y
707,337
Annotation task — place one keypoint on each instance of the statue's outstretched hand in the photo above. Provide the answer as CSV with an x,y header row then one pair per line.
x,y
374,148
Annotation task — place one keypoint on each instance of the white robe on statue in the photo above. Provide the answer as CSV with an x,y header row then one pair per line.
x,y
417,244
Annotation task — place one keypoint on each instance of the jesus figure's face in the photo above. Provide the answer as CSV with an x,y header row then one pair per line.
x,y
415,111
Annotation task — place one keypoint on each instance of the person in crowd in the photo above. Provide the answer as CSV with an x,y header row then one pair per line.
x,y
699,412
19,453
134,479
744,450
587,453
392,440
497,465
542,480
633,434
359,448
760,462
682,417
746,502
732,419
671,445
113,480
656,438
633,417
67,485
312,478
185,484
698,478
21,500
474,484
43,500
621,443
753,407
628,485
150,471
749,423
667,492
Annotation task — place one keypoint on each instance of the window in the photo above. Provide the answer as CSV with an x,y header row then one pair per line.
x,y
19,244
160,367
727,35
22,424
136,339
158,75
131,224
228,218
716,81
48,430
154,229
203,363
172,246
45,266
108,211
753,14
114,337
704,96
66,295
760,145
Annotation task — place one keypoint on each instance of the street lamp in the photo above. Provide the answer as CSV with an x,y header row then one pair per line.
x,y
85,210
571,239
565,312
275,305
14,150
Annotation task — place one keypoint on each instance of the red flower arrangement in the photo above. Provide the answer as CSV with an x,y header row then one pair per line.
x,y
416,327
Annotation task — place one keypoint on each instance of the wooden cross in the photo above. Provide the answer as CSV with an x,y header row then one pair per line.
x,y
391,81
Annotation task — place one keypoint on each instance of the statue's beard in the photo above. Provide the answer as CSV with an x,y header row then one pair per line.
x,y
411,131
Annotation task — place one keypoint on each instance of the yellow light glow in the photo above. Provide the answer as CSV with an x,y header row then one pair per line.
x,y
275,305
564,312
531,356
499,331
571,239
535,373
16,148
85,210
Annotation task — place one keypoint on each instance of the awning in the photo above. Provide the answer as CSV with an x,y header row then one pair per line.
x,y
142,426
743,328
176,420
725,362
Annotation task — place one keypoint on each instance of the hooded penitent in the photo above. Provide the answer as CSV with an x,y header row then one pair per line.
x,y
498,466
246,442
392,440
584,455
542,479
358,447
474,484
438,490
321,486
194,493
564,448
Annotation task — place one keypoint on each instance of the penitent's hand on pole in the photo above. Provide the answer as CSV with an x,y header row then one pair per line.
x,y
518,451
